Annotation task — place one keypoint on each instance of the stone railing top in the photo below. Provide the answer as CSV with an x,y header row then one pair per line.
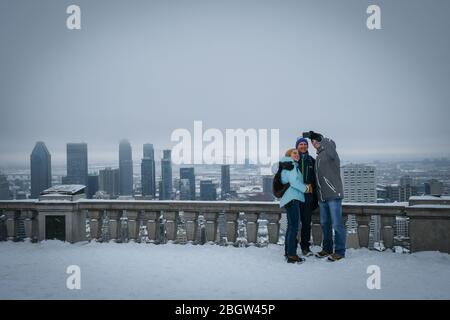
x,y
384,209
429,211
168,205
442,200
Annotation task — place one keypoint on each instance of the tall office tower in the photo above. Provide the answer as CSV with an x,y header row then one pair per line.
x,y
41,169
393,193
148,179
208,190
360,186
434,187
225,181
5,194
267,184
359,183
381,193
126,168
185,189
188,173
406,181
399,193
166,176
92,187
160,191
148,151
109,181
407,188
77,164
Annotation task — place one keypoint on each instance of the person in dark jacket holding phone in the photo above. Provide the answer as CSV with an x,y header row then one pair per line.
x,y
306,165
330,193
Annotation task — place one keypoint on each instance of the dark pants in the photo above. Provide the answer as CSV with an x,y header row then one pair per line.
x,y
305,217
293,218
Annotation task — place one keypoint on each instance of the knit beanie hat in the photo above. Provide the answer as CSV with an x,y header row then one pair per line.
x,y
300,140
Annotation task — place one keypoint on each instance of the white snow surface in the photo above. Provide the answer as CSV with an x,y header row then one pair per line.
x,y
173,271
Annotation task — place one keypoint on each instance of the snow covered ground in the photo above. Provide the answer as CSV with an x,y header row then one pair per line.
x,y
146,271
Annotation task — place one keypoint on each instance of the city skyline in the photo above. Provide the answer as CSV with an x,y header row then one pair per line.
x,y
410,182
110,158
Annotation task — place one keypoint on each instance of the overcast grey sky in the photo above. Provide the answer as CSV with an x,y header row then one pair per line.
x,y
140,69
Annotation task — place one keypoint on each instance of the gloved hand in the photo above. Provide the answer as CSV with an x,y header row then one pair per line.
x,y
315,136
286,165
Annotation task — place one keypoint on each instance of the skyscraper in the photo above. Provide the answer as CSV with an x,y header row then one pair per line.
x,y
41,169
360,186
359,183
5,193
92,187
148,179
406,181
166,176
126,168
208,190
408,188
109,181
267,181
400,193
77,164
188,173
434,187
225,181
185,189
149,151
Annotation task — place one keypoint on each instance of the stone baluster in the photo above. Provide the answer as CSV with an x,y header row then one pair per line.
x,y
352,240
31,225
114,224
273,226
316,230
95,223
133,225
387,231
363,229
252,226
231,222
171,224
2,226
344,220
191,223
211,225
151,220
11,224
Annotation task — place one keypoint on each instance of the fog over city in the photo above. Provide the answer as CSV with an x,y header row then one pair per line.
x,y
141,69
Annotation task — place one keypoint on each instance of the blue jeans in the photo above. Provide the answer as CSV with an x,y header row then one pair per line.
x,y
293,218
331,219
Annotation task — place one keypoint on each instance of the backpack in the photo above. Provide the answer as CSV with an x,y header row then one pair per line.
x,y
278,188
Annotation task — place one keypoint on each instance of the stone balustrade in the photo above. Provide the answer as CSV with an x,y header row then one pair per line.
x,y
428,225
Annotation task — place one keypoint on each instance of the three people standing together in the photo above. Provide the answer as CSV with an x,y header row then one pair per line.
x,y
308,183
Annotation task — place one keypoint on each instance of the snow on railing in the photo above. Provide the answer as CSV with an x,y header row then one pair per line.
x,y
377,226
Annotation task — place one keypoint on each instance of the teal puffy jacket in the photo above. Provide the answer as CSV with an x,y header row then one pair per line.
x,y
297,187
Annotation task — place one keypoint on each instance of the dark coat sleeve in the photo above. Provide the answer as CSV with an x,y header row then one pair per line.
x,y
315,203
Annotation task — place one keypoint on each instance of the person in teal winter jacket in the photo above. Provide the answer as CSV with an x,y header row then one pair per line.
x,y
291,202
